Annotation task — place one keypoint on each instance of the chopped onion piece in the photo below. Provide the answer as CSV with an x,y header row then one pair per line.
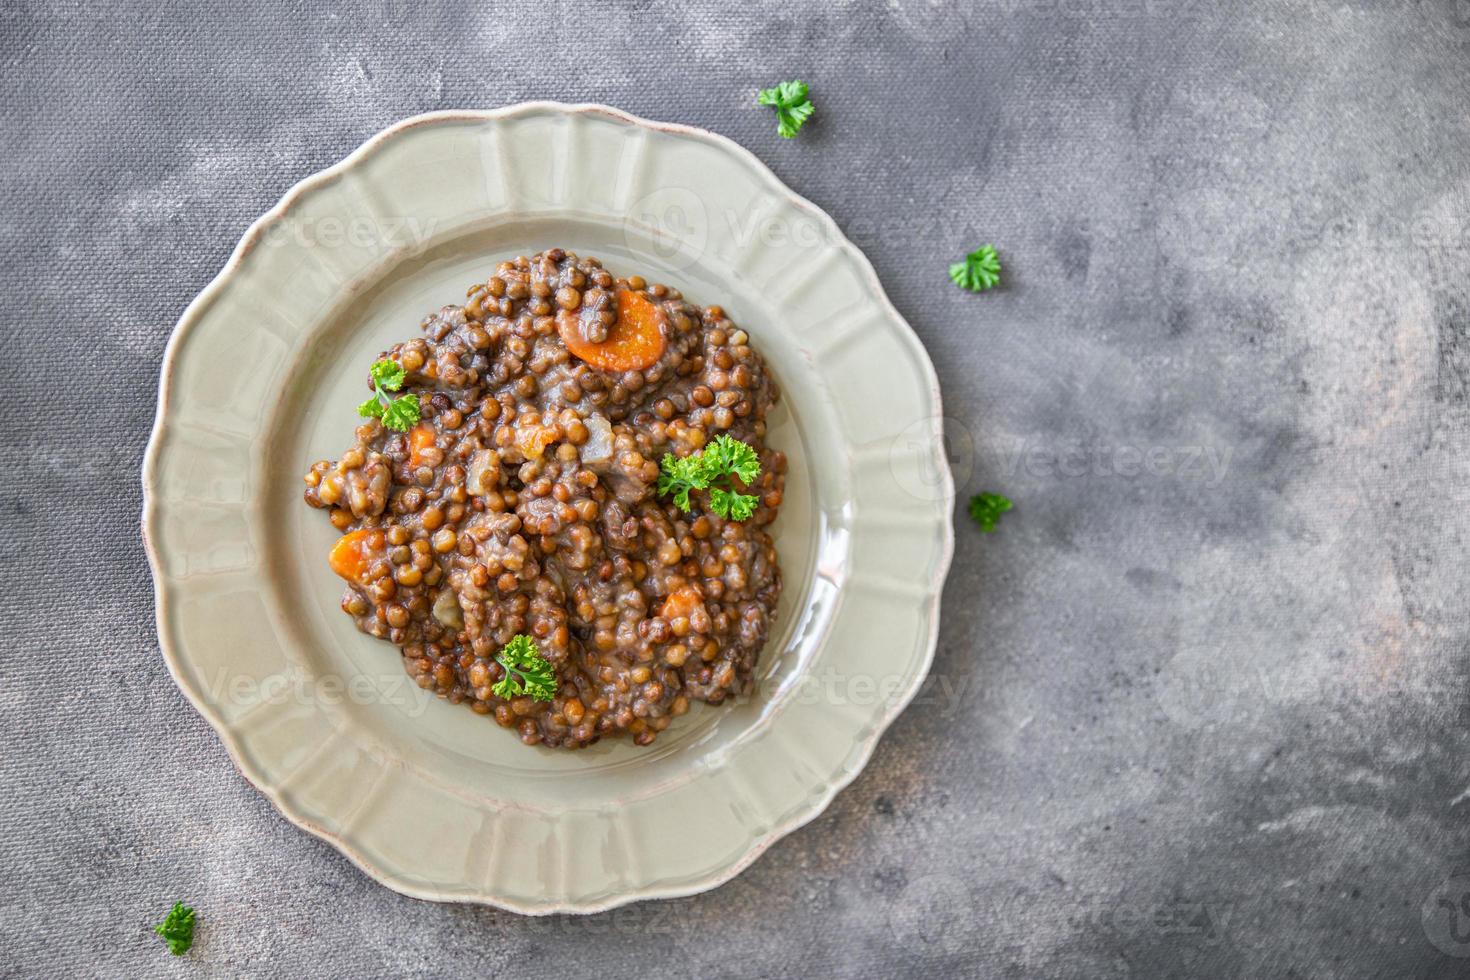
x,y
599,445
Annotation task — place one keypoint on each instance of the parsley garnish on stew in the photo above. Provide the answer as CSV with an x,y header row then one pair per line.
x,y
177,929
526,671
398,413
986,509
713,468
980,270
792,106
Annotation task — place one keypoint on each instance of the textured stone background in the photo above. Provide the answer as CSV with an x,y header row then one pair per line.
x,y
1200,704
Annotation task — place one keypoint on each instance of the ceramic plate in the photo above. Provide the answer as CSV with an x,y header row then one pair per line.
x,y
262,375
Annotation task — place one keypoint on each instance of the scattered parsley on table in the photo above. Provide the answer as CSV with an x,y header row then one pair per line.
x,y
526,671
713,468
398,414
986,509
980,270
792,106
177,929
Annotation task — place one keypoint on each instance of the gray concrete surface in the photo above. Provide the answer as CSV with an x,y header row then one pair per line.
x,y
1199,705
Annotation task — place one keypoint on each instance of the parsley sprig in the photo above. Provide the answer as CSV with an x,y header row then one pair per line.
x,y
526,671
398,413
980,270
986,509
712,469
177,929
792,106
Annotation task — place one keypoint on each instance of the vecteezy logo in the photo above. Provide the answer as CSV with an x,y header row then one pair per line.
x,y
1196,229
1446,916
672,222
931,914
912,463
929,20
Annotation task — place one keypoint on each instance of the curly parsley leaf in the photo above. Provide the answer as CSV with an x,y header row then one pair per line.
x,y
731,505
177,929
713,468
401,413
679,476
728,455
986,509
526,671
980,270
398,414
792,106
388,374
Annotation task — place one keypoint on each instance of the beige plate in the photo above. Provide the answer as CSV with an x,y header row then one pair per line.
x,y
262,375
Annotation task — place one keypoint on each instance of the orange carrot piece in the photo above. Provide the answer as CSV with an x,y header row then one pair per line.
x,y
420,437
355,552
635,340
681,602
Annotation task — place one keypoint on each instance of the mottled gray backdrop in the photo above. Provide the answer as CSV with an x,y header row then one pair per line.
x,y
1199,705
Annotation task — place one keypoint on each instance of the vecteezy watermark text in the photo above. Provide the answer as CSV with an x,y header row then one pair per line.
x,y
1203,464
296,686
1204,921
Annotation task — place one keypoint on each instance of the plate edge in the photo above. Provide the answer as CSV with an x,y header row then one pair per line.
x,y
193,313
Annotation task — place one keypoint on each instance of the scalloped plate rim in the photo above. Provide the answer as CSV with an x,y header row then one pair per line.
x,y
816,803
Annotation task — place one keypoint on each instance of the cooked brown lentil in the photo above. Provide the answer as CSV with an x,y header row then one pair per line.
x,y
524,502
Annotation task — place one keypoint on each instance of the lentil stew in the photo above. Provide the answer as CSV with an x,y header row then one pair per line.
x,y
525,501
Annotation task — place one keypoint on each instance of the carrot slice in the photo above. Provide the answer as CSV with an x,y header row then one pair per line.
x,y
635,340
681,602
355,552
420,437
